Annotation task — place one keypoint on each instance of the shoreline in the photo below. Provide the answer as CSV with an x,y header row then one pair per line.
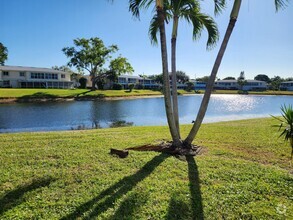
x,y
11,100
70,99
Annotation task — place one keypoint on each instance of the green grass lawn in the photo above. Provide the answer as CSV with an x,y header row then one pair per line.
x,y
242,173
71,93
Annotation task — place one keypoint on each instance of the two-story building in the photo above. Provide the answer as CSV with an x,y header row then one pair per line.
x,y
32,77
249,85
286,86
138,81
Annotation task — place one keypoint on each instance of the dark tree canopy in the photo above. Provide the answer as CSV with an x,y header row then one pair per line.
x,y
89,54
262,77
229,78
3,54
203,79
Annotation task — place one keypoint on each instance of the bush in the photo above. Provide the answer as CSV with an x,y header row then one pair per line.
x,y
120,123
117,86
130,87
82,82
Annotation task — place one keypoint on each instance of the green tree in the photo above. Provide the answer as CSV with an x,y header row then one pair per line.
x,y
135,5
241,80
189,10
229,78
262,77
203,79
286,125
3,54
89,54
275,82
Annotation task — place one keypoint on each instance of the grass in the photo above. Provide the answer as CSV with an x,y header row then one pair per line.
x,y
71,93
84,93
242,173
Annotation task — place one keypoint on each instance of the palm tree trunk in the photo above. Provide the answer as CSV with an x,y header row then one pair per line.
x,y
166,87
207,95
174,77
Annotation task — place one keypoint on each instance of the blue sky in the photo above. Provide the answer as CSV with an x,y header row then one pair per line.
x,y
35,31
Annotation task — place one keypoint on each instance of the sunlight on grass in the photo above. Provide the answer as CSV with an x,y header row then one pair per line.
x,y
243,172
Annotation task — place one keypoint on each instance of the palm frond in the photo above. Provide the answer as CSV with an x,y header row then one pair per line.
x,y
136,5
220,5
280,4
154,29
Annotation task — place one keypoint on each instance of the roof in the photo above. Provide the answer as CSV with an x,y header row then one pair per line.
x,y
235,80
30,69
287,82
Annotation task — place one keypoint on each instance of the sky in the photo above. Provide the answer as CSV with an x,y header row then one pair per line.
x,y
35,31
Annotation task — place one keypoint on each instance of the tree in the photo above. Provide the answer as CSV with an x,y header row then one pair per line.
x,y
89,54
117,67
203,79
82,81
135,5
209,88
188,10
262,77
241,80
275,82
229,78
3,54
181,77
286,125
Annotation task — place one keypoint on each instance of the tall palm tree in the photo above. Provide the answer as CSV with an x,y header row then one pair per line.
x,y
134,6
188,10
205,101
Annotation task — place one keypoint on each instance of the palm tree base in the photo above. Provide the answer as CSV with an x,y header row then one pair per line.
x,y
169,148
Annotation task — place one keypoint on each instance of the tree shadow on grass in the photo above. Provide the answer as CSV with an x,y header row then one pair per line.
x,y
106,199
15,197
178,209
194,187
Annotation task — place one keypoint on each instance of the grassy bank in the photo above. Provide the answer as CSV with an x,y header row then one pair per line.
x,y
243,172
71,93
25,94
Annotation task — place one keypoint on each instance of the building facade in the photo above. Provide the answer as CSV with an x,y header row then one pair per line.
x,y
249,85
139,82
286,86
32,77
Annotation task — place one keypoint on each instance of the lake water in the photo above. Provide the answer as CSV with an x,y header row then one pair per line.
x,y
147,111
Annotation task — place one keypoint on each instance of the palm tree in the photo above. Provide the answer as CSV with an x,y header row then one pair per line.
x,y
205,101
190,11
287,124
134,6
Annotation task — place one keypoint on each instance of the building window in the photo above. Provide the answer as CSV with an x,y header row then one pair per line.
x,y
5,73
44,76
22,74
6,83
63,76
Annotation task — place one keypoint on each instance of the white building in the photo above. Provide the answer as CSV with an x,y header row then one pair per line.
x,y
287,86
32,77
138,81
250,85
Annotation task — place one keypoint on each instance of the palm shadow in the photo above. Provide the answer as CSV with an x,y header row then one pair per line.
x,y
15,197
106,199
194,187
176,203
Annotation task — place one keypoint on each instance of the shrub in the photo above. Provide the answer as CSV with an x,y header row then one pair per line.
x,y
120,123
82,82
117,86
130,87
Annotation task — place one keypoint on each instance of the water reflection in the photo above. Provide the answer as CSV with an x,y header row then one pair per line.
x,y
150,111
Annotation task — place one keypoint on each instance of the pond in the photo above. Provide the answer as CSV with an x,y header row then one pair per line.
x,y
145,111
